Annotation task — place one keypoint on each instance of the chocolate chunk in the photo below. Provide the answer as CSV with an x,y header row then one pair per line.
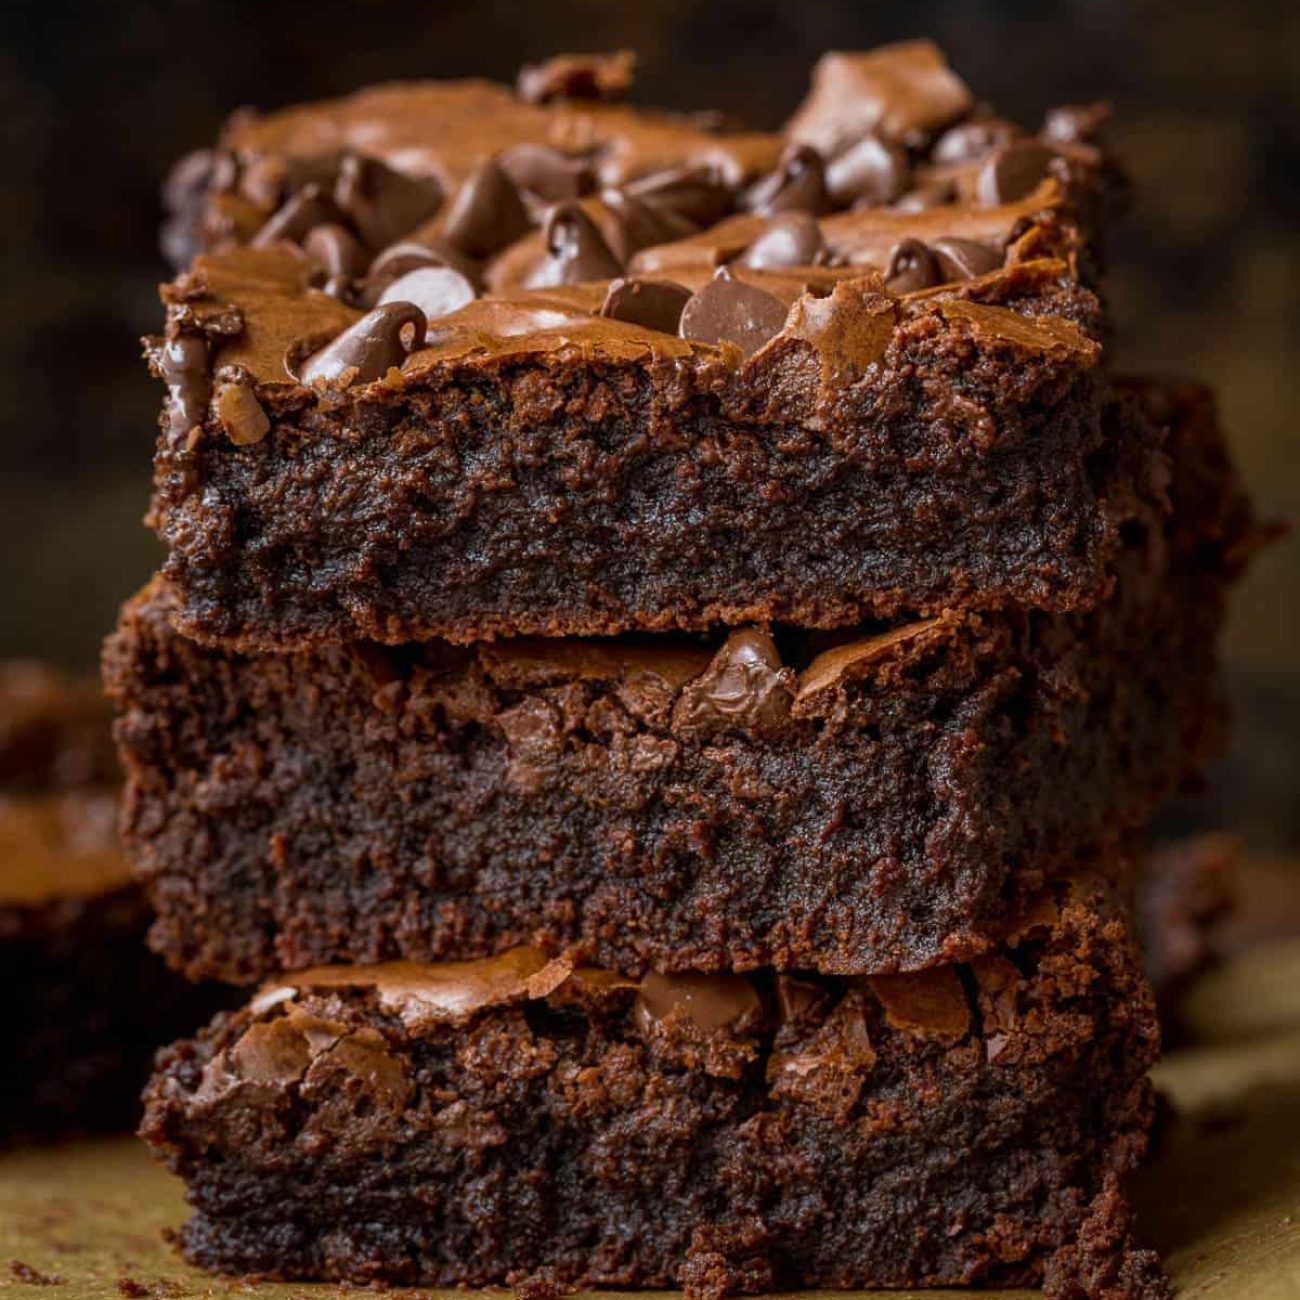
x,y
712,1003
654,304
308,208
183,366
745,687
575,250
334,253
383,204
407,255
697,194
368,349
928,1003
797,184
791,239
1076,123
867,174
971,140
487,212
964,259
577,76
1012,173
547,173
241,415
435,290
912,266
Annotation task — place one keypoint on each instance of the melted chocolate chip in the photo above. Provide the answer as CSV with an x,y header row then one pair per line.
x,y
1012,173
435,290
368,349
972,140
964,259
547,173
577,76
745,686
183,366
487,212
712,1003
797,184
1076,123
334,253
867,174
383,204
308,208
791,239
912,266
575,250
696,194
654,304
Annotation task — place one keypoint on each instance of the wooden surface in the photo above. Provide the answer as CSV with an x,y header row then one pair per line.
x,y
1221,1201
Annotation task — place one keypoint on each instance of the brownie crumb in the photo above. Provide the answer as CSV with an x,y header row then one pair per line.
x,y
540,1285
128,1286
728,1259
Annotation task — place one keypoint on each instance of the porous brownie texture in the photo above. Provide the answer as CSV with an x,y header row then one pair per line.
x,y
845,804
416,389
513,1119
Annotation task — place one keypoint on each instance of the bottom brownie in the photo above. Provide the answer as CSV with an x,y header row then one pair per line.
x,y
510,1118
88,1003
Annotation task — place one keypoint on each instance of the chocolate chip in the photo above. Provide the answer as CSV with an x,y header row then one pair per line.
x,y
577,76
487,212
308,208
1076,123
964,259
194,176
744,687
791,239
697,194
334,254
369,348
575,250
912,266
383,204
1012,173
435,290
547,173
929,194
797,184
407,255
867,174
241,415
183,366
654,304
640,225
972,140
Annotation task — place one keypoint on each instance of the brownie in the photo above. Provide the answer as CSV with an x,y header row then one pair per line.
x,y
512,1118
877,802
89,1003
464,363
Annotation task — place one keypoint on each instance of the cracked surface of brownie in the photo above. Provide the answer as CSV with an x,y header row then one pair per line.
x,y
463,364
478,1122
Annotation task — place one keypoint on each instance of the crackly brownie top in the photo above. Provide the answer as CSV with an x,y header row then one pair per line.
x,y
374,239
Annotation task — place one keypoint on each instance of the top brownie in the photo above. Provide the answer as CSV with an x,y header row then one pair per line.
x,y
457,361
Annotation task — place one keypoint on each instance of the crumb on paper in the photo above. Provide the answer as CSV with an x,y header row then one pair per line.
x,y
32,1276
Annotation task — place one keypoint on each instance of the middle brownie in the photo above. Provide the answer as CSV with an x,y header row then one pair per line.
x,y
866,805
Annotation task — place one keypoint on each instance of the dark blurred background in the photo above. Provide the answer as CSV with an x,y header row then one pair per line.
x,y
97,99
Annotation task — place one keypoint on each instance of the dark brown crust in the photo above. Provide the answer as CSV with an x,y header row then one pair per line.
x,y
884,1137
357,805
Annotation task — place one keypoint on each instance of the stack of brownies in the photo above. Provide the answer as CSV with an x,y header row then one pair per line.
x,y
668,638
